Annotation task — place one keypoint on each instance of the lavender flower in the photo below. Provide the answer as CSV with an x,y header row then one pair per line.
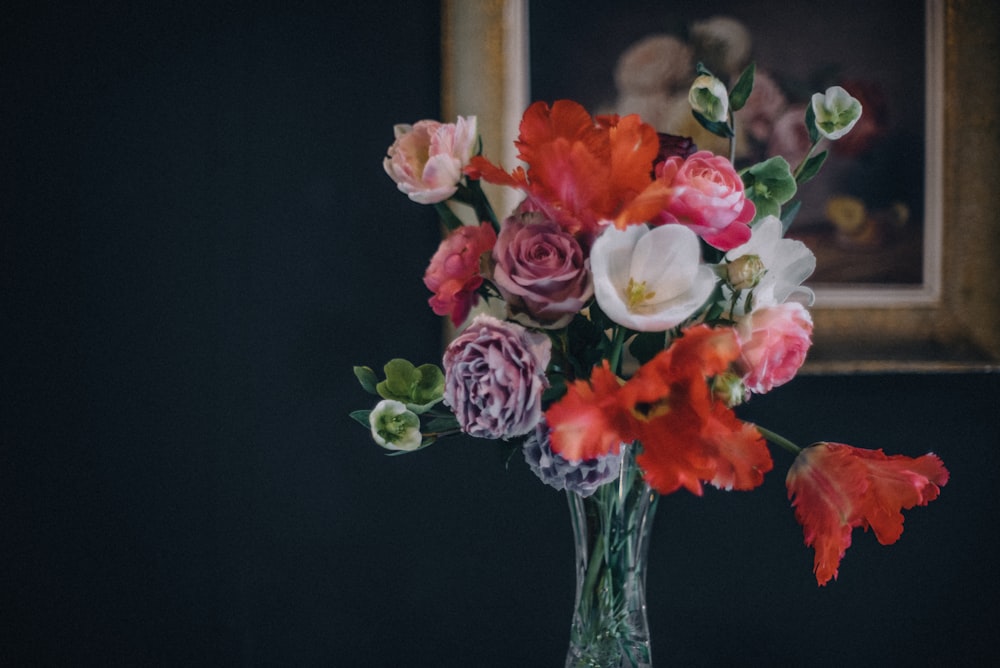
x,y
495,376
582,477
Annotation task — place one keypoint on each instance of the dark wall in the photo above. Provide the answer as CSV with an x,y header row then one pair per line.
x,y
199,242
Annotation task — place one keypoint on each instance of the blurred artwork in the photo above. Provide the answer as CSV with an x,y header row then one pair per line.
x,y
863,215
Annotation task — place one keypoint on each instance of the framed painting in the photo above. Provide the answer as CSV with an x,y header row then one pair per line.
x,y
905,238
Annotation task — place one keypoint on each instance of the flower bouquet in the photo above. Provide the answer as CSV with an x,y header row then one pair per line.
x,y
608,327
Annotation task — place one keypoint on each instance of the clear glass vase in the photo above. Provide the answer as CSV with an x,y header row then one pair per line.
x,y
611,530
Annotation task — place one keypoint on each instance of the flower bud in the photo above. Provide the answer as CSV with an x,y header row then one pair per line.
x,y
730,389
745,272
709,98
395,427
836,112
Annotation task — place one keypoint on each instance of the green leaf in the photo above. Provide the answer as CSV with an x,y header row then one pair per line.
x,y
788,216
429,386
447,216
362,417
367,378
741,91
811,124
441,424
715,127
769,184
811,168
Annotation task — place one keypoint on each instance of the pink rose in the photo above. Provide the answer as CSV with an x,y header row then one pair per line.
x,y
494,376
427,158
774,341
540,270
705,193
453,274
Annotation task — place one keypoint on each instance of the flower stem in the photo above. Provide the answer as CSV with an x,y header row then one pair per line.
x,y
779,440
617,344
802,164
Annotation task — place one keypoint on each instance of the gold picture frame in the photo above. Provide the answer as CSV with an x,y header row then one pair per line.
x,y
951,322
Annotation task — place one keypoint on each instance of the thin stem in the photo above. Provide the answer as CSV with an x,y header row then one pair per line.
x,y
801,165
617,344
779,440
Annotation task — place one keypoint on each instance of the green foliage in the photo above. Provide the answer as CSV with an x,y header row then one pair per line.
x,y
741,91
367,378
715,127
810,168
417,387
769,184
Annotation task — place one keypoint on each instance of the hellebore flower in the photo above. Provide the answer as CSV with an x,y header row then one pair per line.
x,y
836,112
709,98
394,426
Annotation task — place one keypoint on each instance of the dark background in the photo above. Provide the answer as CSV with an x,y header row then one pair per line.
x,y
198,242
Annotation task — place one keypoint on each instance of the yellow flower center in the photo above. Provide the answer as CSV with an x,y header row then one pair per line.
x,y
636,294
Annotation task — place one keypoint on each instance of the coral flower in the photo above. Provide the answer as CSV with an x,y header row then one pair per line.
x,y
835,488
689,436
581,170
587,422
453,274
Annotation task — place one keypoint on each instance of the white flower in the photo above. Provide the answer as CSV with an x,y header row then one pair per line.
x,y
394,426
836,112
786,264
709,98
647,279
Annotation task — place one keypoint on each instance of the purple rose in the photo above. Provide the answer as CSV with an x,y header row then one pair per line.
x,y
582,477
494,376
541,271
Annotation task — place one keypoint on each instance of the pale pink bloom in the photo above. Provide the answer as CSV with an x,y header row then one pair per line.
x,y
454,275
653,64
705,194
774,342
790,136
541,270
427,158
494,376
763,107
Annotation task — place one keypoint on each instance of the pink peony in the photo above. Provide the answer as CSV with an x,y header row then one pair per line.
x,y
775,340
427,158
494,378
540,270
453,274
705,193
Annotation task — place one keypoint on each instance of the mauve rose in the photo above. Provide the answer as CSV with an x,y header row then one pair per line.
x,y
427,158
707,196
774,342
494,376
540,270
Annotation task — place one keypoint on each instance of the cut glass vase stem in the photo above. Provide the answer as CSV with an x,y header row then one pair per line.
x,y
611,530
